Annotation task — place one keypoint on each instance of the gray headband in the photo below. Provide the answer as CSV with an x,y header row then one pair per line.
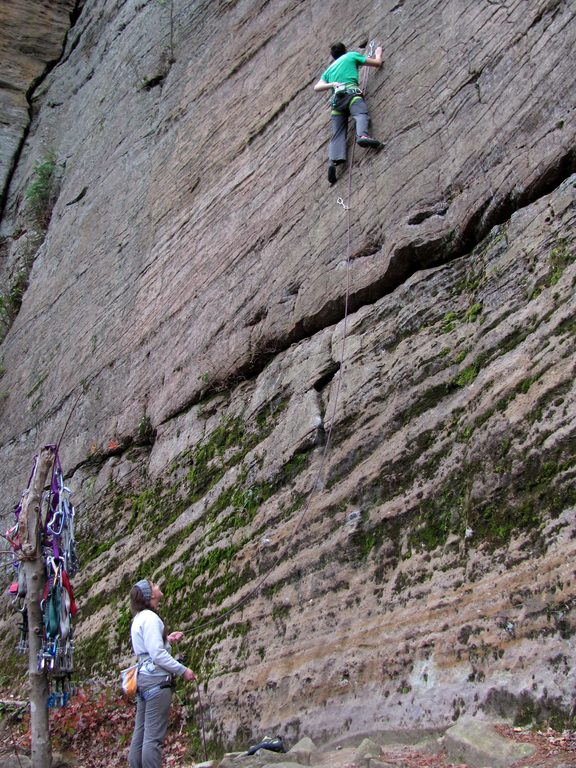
x,y
144,587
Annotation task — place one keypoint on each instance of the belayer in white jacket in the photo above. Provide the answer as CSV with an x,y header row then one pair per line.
x,y
158,668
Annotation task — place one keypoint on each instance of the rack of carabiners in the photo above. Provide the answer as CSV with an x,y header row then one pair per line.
x,y
58,551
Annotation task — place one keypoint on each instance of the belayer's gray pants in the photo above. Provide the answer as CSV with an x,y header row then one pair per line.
x,y
150,730
358,109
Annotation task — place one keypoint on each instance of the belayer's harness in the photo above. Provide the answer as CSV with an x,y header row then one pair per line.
x,y
154,690
149,693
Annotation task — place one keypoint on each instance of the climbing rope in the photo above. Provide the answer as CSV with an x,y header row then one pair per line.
x,y
202,729
318,480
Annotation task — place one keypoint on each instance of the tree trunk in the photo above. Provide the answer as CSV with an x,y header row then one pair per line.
x,y
35,582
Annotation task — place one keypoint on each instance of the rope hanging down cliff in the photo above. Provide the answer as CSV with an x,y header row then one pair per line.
x,y
318,484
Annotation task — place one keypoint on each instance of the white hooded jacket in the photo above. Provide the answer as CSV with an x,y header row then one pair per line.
x,y
146,634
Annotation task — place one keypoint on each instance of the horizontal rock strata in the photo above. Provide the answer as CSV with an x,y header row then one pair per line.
x,y
408,565
360,512
474,127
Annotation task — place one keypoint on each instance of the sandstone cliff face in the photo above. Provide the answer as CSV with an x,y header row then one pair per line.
x,y
31,40
388,488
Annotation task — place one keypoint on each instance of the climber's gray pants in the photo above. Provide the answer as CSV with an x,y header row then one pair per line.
x,y
338,143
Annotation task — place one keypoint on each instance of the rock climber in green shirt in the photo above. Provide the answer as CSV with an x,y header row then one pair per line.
x,y
342,78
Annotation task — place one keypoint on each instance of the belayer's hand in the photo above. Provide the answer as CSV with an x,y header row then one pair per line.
x,y
175,637
189,676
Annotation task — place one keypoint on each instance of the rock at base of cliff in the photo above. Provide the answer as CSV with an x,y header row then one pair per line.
x,y
302,751
479,745
260,759
283,764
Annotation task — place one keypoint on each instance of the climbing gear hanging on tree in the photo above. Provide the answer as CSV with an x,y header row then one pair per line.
x,y
58,552
59,524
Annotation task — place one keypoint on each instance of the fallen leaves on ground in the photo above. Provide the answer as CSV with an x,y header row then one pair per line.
x,y
94,730
552,747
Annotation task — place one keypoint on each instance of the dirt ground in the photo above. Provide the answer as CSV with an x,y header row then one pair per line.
x,y
94,731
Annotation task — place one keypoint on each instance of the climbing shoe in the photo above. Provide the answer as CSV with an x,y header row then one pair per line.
x,y
332,173
368,141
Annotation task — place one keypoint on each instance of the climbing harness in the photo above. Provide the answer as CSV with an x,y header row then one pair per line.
x,y
343,98
352,89
150,693
58,552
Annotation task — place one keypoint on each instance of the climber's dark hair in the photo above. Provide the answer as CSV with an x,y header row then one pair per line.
x,y
337,50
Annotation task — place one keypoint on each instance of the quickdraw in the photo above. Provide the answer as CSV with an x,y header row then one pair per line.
x,y
58,610
59,524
